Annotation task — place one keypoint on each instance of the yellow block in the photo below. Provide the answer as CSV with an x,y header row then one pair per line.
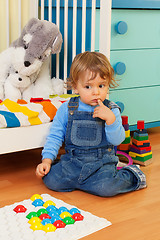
x,y
127,133
133,154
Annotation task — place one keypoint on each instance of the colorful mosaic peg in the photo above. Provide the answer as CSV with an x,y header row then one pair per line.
x,y
36,196
20,209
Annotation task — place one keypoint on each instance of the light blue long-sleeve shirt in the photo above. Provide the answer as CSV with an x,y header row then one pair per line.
x,y
115,132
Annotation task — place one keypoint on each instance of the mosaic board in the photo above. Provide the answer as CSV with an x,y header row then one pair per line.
x,y
43,217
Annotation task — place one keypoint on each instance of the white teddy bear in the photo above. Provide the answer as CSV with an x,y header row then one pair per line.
x,y
15,84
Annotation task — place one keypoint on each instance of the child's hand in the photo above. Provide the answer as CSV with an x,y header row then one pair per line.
x,y
104,113
43,168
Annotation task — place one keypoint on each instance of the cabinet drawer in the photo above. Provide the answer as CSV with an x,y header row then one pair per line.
x,y
143,29
139,103
142,67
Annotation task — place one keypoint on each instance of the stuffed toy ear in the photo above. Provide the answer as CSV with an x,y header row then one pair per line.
x,y
26,29
56,46
30,24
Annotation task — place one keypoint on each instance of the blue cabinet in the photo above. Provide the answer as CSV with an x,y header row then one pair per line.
x,y
136,55
136,4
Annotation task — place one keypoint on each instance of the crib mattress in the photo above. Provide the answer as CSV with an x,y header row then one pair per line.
x,y
35,112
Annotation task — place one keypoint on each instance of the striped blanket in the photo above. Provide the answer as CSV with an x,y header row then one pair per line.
x,y
37,111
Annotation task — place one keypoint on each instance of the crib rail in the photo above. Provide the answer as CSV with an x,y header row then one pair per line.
x,y
14,14
72,17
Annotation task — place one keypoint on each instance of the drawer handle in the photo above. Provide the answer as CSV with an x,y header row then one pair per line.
x,y
121,27
121,105
120,68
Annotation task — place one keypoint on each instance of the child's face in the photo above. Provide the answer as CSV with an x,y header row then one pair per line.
x,y
90,90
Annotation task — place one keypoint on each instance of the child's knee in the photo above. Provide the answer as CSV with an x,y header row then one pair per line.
x,y
50,182
57,184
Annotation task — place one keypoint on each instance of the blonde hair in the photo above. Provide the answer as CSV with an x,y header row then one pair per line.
x,y
96,63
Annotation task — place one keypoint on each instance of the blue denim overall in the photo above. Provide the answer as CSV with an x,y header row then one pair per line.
x,y
90,161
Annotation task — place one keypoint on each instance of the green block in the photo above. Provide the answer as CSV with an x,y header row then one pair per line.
x,y
127,140
142,159
139,137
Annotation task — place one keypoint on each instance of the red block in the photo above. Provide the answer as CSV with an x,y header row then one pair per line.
x,y
140,124
142,148
124,120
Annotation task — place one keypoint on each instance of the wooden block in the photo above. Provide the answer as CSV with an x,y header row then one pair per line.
x,y
127,133
126,127
141,131
124,147
139,137
137,133
140,143
124,120
127,140
133,154
139,158
140,150
145,163
140,124
142,146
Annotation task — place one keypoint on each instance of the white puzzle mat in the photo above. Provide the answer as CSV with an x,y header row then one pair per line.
x,y
43,217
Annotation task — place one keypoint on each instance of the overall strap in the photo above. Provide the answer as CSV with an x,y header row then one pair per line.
x,y
73,104
111,104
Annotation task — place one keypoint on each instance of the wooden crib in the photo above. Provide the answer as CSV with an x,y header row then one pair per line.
x,y
30,137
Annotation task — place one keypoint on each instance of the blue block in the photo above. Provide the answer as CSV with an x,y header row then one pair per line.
x,y
140,134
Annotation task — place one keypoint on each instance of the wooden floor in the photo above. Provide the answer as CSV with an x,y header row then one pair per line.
x,y
133,215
